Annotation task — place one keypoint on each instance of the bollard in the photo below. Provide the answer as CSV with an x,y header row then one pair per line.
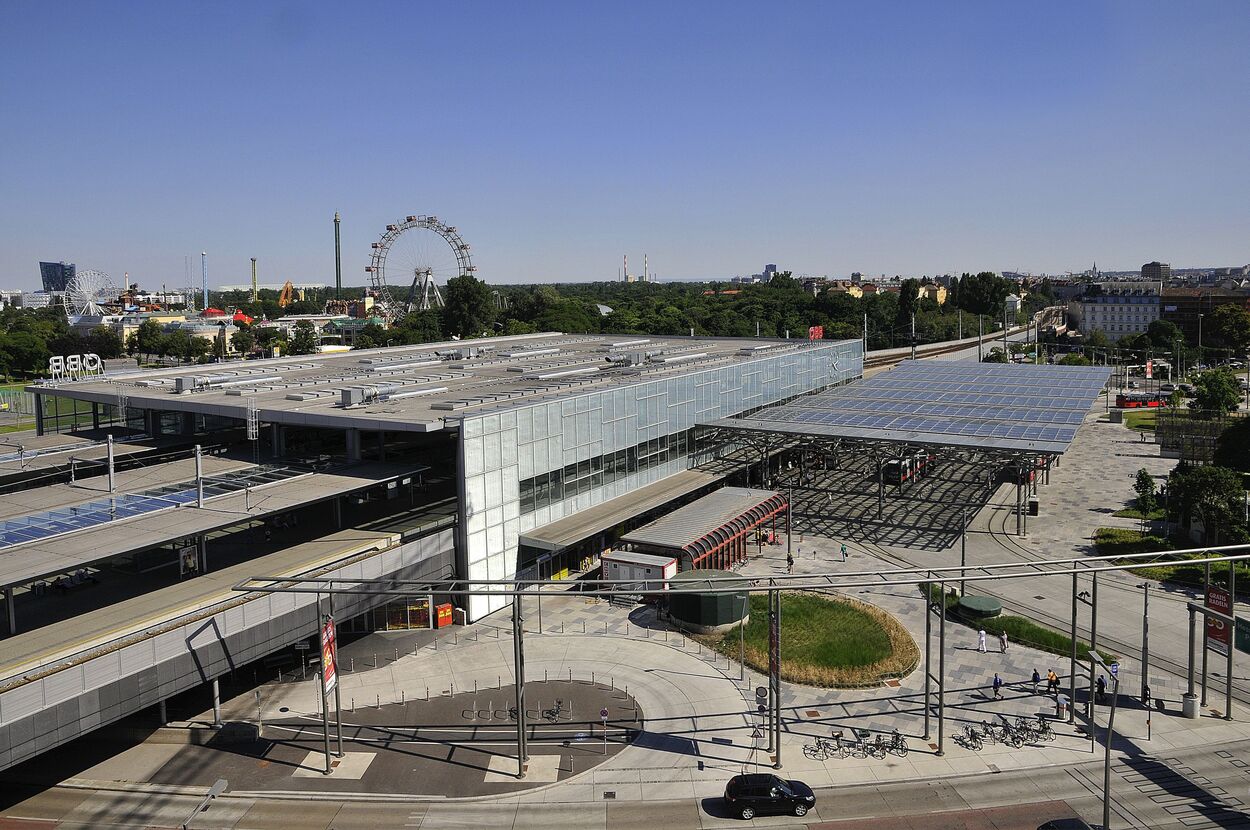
x,y
427,692
352,665
592,678
561,626
455,638
605,628
583,626
570,674
279,675
436,644
453,690
352,707
544,675
375,659
611,682
499,681
378,704
396,652
403,700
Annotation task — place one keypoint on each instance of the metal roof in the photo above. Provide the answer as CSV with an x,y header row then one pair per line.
x,y
686,526
635,558
1021,408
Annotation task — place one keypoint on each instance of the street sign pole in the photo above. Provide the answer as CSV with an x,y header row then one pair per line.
x,y
603,716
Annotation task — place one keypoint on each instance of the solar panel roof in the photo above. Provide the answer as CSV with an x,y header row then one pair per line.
x,y
994,406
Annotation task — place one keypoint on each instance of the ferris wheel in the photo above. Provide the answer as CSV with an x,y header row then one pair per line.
x,y
87,291
410,261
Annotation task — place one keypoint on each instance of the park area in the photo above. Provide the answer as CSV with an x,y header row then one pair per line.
x,y
826,641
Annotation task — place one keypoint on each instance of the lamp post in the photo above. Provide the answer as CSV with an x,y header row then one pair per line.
x,y
1106,764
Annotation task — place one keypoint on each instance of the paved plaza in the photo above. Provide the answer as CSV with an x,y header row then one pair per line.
x,y
696,725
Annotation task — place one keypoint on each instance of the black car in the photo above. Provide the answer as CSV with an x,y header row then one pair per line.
x,y
761,794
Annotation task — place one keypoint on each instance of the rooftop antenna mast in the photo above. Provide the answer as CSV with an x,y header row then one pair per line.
x,y
204,276
255,294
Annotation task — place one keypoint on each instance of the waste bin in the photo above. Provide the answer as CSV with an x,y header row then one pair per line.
x,y
1034,505
1061,707
443,616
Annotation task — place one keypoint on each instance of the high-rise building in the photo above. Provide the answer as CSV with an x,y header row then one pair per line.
x,y
56,275
1156,271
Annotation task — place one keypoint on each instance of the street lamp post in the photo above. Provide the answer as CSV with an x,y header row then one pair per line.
x,y
1106,764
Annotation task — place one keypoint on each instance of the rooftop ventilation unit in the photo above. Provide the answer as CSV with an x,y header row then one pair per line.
x,y
463,353
625,344
196,383
529,352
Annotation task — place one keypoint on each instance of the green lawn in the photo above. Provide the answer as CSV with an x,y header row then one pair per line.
x,y
1141,419
1019,630
1134,513
826,642
1119,541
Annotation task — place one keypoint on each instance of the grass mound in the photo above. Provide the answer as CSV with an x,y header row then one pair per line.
x,y
826,641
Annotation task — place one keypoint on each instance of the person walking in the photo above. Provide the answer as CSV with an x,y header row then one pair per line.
x,y
844,551
789,563
1037,679
981,641
1102,688
1002,641
998,687
1052,682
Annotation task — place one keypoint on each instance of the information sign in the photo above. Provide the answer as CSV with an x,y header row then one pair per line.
x,y
816,333
1241,632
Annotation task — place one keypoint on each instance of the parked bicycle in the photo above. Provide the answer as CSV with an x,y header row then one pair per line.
x,y
553,714
897,744
971,739
861,748
826,748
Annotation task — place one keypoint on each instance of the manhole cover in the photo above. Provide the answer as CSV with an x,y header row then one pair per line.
x,y
813,713
284,709
609,795
894,684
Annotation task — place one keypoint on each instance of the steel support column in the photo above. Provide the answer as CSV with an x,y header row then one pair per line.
x,y
518,657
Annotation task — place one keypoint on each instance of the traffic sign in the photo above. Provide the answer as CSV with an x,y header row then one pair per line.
x,y
761,693
603,714
1115,669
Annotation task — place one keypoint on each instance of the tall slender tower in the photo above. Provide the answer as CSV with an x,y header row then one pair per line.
x,y
204,276
338,261
255,294
646,276
625,262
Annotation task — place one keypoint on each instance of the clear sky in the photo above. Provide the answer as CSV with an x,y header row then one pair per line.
x,y
714,136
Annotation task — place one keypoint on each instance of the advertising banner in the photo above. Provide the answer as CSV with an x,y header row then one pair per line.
x,y
1219,633
329,669
816,333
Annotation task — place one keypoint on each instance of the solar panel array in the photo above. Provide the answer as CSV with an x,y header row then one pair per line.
x,y
102,511
999,406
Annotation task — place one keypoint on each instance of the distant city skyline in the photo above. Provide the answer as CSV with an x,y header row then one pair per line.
x,y
902,138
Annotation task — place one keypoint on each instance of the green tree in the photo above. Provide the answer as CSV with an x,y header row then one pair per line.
x,y
468,307
1163,334
1231,326
23,353
1213,494
1232,448
1144,487
1073,359
995,355
270,337
1216,392
1097,339
105,342
304,339
244,340
149,338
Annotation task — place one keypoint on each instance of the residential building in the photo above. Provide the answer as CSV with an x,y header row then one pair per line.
x,y
1156,271
1118,309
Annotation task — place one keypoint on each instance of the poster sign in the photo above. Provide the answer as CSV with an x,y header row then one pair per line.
x,y
1219,634
1242,632
188,561
329,671
816,333
1150,369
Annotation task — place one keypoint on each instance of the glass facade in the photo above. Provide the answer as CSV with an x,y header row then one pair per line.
x,y
526,467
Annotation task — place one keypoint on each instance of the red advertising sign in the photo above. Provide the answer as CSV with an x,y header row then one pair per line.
x,y
816,333
1150,369
329,668
1219,633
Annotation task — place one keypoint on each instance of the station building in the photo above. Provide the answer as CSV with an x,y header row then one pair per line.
x,y
147,496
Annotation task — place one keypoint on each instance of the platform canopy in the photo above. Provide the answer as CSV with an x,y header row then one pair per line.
x,y
982,406
704,527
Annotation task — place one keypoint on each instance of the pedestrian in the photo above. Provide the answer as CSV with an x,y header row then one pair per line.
x,y
789,563
998,687
844,551
1002,641
981,641
1052,682
1036,679
1102,688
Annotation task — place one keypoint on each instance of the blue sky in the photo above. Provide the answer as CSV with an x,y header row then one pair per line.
x,y
714,136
